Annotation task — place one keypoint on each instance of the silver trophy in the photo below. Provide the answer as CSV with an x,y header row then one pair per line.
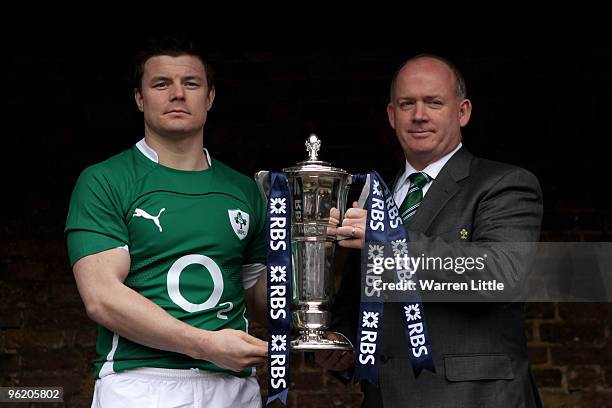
x,y
316,187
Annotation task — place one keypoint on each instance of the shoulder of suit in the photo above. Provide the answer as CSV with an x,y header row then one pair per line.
x,y
497,170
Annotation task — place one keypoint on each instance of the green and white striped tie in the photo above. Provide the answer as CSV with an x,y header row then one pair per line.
x,y
414,197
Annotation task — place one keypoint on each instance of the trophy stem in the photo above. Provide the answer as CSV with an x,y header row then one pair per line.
x,y
313,321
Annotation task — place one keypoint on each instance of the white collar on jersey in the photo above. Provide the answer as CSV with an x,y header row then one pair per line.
x,y
152,154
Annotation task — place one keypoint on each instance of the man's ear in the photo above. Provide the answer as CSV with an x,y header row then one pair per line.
x,y
391,115
211,98
465,111
138,99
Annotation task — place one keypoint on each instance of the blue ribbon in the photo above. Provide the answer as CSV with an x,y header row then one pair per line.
x,y
385,237
279,287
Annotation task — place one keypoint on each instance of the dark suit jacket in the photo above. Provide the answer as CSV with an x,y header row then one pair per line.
x,y
479,349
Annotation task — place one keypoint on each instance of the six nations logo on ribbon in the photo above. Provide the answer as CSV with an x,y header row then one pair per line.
x,y
240,222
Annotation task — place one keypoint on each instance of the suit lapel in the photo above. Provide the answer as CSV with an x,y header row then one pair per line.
x,y
396,179
443,188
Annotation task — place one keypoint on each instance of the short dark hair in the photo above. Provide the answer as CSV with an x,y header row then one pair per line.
x,y
461,88
173,46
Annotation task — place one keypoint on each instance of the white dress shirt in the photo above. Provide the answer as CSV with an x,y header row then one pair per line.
x,y
403,183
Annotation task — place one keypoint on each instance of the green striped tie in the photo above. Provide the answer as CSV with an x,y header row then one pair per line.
x,y
414,197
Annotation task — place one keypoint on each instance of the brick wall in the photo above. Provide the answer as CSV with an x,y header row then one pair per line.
x,y
68,107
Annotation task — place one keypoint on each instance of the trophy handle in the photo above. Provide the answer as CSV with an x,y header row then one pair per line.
x,y
262,178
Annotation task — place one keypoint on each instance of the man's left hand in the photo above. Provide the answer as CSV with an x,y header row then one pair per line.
x,y
353,226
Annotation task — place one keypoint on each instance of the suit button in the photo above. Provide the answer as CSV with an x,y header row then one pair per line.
x,y
383,358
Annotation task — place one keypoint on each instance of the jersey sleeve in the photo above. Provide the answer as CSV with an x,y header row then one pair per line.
x,y
95,222
256,251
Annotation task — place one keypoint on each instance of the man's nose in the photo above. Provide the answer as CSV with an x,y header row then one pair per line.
x,y
177,92
420,112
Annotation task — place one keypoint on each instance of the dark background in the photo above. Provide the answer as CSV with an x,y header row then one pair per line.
x,y
67,102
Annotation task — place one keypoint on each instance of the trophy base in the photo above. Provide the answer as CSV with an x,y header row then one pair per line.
x,y
313,343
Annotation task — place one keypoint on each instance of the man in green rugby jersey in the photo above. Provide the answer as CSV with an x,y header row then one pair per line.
x,y
168,248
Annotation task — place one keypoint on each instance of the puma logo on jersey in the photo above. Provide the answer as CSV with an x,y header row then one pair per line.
x,y
146,215
240,222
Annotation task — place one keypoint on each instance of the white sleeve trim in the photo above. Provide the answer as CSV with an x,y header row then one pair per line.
x,y
250,274
125,247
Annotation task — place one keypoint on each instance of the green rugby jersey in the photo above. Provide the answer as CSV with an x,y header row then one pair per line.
x,y
188,233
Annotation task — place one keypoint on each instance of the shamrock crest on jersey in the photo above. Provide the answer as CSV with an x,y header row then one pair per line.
x,y
240,222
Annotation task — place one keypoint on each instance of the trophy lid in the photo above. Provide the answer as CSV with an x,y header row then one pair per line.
x,y
313,164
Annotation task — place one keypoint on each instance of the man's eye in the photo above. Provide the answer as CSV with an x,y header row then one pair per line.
x,y
192,84
406,104
436,104
160,85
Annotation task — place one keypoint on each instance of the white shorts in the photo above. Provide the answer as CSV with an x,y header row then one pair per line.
x,y
167,388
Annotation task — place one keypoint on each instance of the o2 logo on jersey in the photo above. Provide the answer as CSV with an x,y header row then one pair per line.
x,y
174,275
240,222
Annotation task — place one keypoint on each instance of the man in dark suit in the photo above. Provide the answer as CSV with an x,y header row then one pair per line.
x,y
479,349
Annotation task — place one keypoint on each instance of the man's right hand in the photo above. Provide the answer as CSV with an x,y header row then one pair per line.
x,y
335,360
233,349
